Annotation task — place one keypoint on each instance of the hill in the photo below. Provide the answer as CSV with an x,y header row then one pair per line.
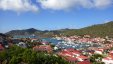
x,y
30,31
23,32
102,30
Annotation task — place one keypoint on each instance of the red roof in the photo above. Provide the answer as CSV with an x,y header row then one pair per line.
x,y
43,47
84,62
64,53
1,47
69,52
110,57
111,51
76,52
82,57
72,59
106,58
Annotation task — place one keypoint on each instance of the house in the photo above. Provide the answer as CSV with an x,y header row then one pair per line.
x,y
68,55
111,52
43,48
76,53
82,58
72,52
65,54
71,59
108,60
1,47
72,55
84,62
22,44
98,51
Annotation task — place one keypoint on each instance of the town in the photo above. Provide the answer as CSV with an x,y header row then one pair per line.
x,y
56,31
72,49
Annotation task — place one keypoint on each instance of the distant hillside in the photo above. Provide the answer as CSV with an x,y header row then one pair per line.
x,y
94,30
102,30
31,31
23,32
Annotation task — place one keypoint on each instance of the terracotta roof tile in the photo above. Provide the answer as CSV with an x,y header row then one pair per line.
x,y
84,62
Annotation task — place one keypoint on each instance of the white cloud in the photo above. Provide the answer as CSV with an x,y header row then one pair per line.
x,y
27,5
67,4
102,3
18,5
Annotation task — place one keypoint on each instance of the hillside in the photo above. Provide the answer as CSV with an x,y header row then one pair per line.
x,y
31,31
94,30
22,32
102,30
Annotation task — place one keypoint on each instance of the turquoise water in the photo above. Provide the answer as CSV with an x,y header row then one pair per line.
x,y
51,40
25,36
76,46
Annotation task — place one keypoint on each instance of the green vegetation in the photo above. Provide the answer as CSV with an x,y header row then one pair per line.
x,y
18,55
101,30
96,59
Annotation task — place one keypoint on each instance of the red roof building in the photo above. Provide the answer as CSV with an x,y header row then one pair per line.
x,y
82,58
46,48
70,52
71,59
65,54
72,55
1,47
108,60
84,62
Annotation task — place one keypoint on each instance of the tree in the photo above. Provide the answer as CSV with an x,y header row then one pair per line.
x,y
15,51
29,56
15,60
18,55
96,58
3,55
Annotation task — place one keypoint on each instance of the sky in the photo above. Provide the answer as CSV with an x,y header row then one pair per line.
x,y
53,14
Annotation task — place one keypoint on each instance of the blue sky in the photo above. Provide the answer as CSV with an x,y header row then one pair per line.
x,y
50,17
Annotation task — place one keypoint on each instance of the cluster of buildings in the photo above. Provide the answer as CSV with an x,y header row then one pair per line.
x,y
96,45
69,52
104,42
44,48
86,38
74,56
